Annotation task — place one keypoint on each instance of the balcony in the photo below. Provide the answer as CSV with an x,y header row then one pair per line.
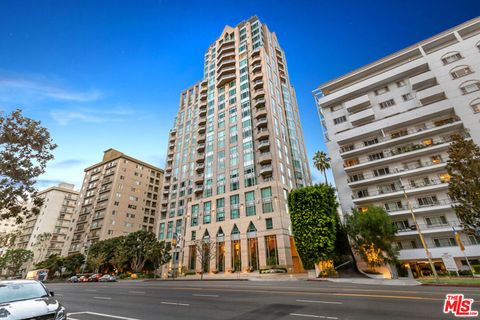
x,y
423,81
257,84
431,95
202,121
263,145
226,71
439,126
362,116
226,79
265,157
226,55
383,193
256,67
262,122
226,63
430,228
257,94
201,138
260,112
200,157
259,102
418,209
204,86
202,111
198,189
357,103
395,173
257,76
437,252
228,42
263,133
200,167
201,129
171,145
199,178
200,147
203,96
266,170
411,151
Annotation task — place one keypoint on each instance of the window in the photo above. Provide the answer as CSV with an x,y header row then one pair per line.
x,y
269,223
444,242
351,162
381,91
381,171
339,120
475,105
470,86
271,250
250,203
194,235
221,209
427,201
407,96
386,104
267,204
370,142
207,211
451,57
347,148
195,210
234,207
401,83
402,225
459,72
436,221
444,177
362,193
375,156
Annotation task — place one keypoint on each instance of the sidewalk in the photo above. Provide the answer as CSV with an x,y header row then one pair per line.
x,y
386,282
241,276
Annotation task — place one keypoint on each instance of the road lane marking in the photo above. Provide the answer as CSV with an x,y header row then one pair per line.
x,y
91,290
58,294
384,296
103,298
318,301
101,315
312,316
139,292
176,303
206,295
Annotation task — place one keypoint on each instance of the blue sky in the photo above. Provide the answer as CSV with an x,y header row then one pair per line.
x,y
102,74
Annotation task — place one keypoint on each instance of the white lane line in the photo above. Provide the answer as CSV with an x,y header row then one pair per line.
x,y
104,315
206,295
139,292
312,316
58,295
90,290
176,303
103,298
318,301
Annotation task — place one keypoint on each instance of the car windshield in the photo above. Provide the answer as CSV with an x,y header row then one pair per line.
x,y
10,292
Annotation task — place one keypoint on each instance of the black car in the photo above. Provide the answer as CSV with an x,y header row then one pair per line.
x,y
25,299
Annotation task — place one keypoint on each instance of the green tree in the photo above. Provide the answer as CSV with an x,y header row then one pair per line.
x,y
14,259
313,211
321,161
463,167
74,262
8,239
372,233
139,248
160,254
25,149
54,263
41,245
96,260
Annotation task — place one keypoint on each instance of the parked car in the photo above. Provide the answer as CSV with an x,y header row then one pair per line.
x,y
29,299
83,279
107,278
94,277
73,279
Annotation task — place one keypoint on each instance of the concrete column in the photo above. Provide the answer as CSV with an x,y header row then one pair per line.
x,y
244,252
228,255
284,251
262,257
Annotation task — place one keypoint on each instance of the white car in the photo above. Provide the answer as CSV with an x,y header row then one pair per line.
x,y
26,299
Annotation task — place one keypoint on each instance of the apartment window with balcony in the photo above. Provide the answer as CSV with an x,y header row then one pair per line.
x,y
356,177
393,206
350,162
402,225
375,156
473,240
362,193
451,57
347,148
370,142
436,159
427,201
444,177
235,206
407,96
267,204
475,105
381,172
387,103
339,120
460,71
444,242
470,86
381,91
436,221
398,134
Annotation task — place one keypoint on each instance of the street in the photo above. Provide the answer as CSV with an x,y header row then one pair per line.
x,y
130,300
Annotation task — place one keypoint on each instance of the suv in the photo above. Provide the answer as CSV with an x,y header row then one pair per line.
x,y
26,299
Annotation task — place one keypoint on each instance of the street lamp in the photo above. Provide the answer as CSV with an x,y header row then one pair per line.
x,y
422,239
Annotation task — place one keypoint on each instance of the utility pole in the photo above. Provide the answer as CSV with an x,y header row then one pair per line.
x,y
422,239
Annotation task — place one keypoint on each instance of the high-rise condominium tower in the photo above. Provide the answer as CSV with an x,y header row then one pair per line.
x,y
388,127
50,231
119,195
235,152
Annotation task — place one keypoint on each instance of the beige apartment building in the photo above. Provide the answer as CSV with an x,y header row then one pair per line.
x,y
388,126
235,152
50,231
119,195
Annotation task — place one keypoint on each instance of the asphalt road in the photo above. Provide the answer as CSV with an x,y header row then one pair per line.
x,y
131,300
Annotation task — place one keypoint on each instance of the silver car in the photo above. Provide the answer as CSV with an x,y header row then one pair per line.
x,y
28,299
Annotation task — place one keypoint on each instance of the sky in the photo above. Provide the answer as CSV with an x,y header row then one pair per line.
x,y
108,74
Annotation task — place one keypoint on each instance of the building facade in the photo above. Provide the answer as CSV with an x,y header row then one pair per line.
x,y
119,195
50,231
388,126
235,152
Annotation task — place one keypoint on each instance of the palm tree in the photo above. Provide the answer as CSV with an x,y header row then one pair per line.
x,y
321,161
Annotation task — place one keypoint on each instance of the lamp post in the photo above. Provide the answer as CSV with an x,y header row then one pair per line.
x,y
422,239
87,247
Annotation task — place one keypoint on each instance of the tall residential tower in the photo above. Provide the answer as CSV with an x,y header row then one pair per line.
x,y
388,127
235,152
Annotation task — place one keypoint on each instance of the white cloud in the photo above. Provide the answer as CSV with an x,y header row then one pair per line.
x,y
64,117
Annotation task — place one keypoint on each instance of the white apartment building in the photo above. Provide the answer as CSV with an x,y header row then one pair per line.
x,y
389,124
50,231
